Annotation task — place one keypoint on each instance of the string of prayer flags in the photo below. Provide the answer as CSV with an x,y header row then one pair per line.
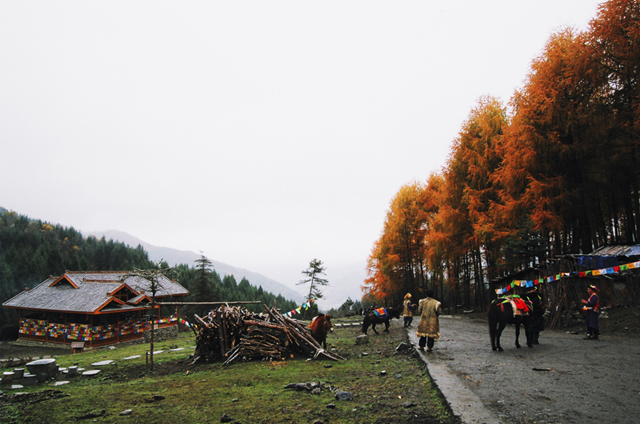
x,y
552,278
299,309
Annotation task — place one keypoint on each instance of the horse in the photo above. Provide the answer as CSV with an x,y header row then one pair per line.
x,y
501,313
375,317
320,326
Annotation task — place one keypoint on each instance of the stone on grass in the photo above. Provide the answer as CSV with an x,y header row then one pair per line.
x,y
363,339
344,395
403,347
102,363
131,357
226,419
43,368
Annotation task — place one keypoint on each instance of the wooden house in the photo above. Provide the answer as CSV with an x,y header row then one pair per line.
x,y
93,307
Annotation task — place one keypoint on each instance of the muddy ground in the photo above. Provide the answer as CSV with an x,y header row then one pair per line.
x,y
564,379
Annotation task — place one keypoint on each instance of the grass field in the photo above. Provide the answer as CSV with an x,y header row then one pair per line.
x,y
387,387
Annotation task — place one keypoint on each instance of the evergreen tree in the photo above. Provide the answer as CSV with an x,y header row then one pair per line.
x,y
204,288
313,278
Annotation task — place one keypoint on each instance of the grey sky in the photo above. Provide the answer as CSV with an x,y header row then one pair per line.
x,y
264,133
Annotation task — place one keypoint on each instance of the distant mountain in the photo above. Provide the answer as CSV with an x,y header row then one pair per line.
x,y
344,282
176,257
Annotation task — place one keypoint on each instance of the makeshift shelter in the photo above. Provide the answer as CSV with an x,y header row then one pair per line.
x,y
615,270
97,308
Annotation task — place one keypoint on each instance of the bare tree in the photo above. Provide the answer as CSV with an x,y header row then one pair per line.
x,y
153,276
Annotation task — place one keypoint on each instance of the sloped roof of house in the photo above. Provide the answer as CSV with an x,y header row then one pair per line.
x,y
618,250
93,292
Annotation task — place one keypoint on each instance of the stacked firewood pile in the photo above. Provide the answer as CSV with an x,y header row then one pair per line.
x,y
233,334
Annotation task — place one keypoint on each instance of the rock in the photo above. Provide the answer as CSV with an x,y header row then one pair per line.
x,y
318,422
226,419
94,414
43,368
316,391
409,404
235,400
331,406
328,366
403,347
8,377
158,397
383,373
60,383
344,396
29,379
364,354
102,363
131,357
398,376
90,373
363,339
126,412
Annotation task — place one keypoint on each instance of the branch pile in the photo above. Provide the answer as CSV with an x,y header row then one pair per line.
x,y
234,334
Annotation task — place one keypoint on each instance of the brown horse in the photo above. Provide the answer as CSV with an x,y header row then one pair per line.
x,y
320,326
376,317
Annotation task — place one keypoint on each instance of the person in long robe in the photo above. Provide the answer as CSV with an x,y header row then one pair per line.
x,y
592,312
407,311
429,328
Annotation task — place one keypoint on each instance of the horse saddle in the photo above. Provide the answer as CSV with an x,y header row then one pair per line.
x,y
380,312
518,305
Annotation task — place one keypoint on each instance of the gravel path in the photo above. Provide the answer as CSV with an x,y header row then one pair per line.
x,y
564,379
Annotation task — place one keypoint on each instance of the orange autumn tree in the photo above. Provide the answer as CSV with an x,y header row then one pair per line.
x,y
397,264
614,42
466,224
545,162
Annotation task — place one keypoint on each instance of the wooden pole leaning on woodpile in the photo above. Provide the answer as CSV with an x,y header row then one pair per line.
x,y
234,334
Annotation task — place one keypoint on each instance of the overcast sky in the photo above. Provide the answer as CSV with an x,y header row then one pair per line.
x,y
264,133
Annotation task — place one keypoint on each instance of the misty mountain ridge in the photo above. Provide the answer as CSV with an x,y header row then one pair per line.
x,y
344,281
176,257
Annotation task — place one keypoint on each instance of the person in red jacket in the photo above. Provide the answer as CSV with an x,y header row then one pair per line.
x,y
592,311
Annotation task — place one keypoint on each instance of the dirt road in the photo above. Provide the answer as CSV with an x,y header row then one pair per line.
x,y
564,379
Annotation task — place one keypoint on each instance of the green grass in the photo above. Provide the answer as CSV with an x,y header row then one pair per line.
x,y
250,392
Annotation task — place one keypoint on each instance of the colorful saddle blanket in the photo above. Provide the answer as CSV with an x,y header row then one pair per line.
x,y
380,312
518,305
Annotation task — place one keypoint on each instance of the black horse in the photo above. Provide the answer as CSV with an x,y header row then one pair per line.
x,y
372,318
501,313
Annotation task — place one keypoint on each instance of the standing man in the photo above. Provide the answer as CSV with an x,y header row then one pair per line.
x,y
592,311
407,312
429,327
